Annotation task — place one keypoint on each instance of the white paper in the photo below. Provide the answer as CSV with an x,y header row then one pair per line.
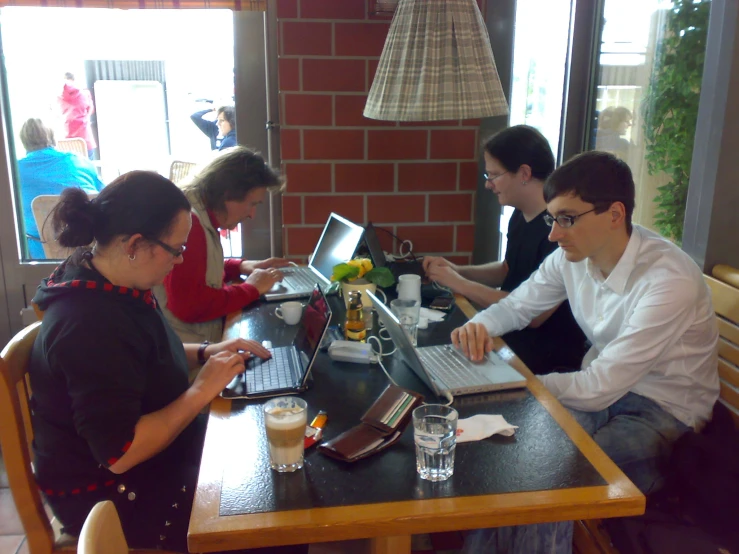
x,y
482,426
431,315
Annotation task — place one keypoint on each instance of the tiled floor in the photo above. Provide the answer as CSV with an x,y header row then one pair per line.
x,y
13,541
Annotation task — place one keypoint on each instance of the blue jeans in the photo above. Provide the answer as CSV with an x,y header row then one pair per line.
x,y
635,433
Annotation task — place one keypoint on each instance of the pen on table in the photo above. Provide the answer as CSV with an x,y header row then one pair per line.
x,y
314,431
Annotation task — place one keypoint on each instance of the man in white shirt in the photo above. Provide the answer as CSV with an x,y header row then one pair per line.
x,y
651,373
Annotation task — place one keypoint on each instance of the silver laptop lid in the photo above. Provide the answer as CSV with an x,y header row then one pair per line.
x,y
337,244
403,343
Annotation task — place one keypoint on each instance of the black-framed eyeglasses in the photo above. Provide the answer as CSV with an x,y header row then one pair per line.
x,y
492,178
564,221
176,252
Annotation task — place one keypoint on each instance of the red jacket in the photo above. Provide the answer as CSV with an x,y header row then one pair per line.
x,y
77,107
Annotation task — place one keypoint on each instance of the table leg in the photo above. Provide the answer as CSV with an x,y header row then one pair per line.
x,y
391,545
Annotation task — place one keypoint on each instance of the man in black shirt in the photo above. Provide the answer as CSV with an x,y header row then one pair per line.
x,y
517,162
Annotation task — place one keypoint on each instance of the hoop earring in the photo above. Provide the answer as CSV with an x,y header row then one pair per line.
x,y
132,257
524,183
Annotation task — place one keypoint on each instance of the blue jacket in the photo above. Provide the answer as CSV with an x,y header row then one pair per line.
x,y
210,129
50,171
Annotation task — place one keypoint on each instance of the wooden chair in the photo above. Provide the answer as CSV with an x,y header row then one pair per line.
x,y
16,435
41,207
179,170
76,145
590,537
102,532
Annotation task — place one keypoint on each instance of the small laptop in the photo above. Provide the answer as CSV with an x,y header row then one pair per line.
x,y
399,267
443,368
337,244
288,370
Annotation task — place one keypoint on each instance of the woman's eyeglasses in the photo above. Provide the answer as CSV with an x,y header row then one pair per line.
x,y
176,252
492,178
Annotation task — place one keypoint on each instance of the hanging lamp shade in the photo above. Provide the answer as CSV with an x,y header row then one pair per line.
x,y
437,64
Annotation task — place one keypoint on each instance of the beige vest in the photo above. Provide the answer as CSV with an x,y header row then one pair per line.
x,y
206,330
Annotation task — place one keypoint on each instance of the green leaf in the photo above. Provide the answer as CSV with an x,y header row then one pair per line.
x,y
344,272
381,276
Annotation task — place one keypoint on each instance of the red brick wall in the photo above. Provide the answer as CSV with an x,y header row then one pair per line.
x,y
416,180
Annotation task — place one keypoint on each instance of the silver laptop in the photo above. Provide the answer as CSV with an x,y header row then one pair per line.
x,y
445,369
337,244
288,370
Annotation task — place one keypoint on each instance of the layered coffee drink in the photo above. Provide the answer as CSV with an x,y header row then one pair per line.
x,y
284,421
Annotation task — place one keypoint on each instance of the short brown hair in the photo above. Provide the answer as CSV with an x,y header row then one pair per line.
x,y
598,178
36,136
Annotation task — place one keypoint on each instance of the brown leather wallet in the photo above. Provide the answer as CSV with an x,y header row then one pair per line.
x,y
380,428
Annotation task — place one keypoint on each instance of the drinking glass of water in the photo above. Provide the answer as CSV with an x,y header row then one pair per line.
x,y
408,313
435,435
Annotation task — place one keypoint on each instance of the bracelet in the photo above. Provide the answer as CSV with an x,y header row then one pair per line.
x,y
201,352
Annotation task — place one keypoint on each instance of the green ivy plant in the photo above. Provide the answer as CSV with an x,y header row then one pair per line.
x,y
670,109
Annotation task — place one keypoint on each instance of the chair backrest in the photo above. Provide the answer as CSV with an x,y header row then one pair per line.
x,y
725,290
16,435
41,207
76,145
102,532
179,170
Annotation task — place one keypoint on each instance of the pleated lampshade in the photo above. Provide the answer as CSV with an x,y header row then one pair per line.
x,y
437,64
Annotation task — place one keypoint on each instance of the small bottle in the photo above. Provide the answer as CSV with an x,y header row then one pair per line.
x,y
354,327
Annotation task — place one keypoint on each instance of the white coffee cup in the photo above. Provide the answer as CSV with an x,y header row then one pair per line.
x,y
289,312
409,287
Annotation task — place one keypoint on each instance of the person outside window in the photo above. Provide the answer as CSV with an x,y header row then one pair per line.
x,y
222,131
77,108
46,170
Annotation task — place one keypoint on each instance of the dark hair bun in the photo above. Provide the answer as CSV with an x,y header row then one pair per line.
x,y
73,218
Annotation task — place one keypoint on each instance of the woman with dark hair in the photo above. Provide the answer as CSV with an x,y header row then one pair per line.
x,y
195,296
114,417
518,160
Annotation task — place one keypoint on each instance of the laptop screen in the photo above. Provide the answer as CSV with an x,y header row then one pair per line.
x,y
313,324
402,342
373,245
337,244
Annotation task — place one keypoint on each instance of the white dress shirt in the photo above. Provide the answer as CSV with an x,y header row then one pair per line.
x,y
651,323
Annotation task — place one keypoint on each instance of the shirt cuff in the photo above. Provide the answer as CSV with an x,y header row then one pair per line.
x,y
232,269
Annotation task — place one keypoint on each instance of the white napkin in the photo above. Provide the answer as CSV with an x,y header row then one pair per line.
x,y
481,426
431,315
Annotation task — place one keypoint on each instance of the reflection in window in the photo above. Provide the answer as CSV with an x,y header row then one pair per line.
x,y
651,65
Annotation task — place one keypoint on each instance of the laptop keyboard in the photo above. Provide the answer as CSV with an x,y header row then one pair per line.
x,y
299,279
450,367
279,372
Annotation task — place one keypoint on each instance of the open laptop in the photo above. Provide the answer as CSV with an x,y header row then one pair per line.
x,y
337,244
288,370
443,368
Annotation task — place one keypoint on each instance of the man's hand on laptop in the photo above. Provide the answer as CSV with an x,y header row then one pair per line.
x,y
264,279
473,340
248,266
436,261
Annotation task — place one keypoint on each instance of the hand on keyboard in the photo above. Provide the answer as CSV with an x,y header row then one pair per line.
x,y
243,347
474,341
264,279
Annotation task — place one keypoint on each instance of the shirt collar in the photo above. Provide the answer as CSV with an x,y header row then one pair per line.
x,y
619,277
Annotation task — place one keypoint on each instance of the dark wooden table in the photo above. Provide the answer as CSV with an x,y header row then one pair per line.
x,y
550,470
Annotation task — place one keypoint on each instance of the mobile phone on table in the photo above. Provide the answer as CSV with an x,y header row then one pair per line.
x,y
444,303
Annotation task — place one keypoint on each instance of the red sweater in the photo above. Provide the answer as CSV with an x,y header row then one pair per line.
x,y
189,298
